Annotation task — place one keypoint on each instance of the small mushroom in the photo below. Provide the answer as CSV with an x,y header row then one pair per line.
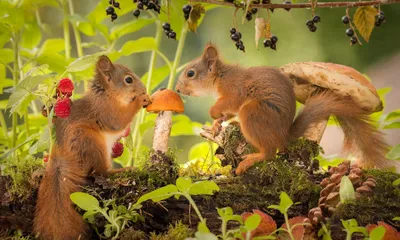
x,y
164,102
311,77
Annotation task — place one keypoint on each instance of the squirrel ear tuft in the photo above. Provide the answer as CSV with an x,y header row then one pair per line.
x,y
210,52
104,64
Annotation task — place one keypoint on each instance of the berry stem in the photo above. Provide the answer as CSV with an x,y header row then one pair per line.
x,y
305,5
177,58
352,27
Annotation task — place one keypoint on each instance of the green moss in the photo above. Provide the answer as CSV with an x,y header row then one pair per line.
x,y
25,173
235,141
133,234
178,231
384,205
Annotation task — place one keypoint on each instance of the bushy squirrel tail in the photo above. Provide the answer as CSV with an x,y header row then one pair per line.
x,y
55,216
361,138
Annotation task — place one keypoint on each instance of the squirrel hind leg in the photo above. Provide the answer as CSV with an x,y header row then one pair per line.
x,y
249,161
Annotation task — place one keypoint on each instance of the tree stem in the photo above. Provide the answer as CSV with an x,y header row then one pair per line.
x,y
305,5
177,58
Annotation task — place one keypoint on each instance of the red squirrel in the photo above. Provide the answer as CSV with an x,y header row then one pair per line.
x,y
264,100
83,146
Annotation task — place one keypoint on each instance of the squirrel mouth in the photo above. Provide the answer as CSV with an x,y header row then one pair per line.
x,y
133,99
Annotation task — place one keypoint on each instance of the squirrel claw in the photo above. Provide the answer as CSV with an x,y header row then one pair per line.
x,y
216,127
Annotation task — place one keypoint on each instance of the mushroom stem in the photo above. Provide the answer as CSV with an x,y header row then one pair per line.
x,y
162,131
316,130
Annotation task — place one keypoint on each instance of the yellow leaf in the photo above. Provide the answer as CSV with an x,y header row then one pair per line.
x,y
261,26
195,15
364,20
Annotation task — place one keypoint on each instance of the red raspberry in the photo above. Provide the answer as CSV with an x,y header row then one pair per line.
x,y
117,150
62,108
45,158
65,86
127,131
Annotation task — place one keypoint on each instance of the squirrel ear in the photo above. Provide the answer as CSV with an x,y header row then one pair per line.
x,y
210,56
104,64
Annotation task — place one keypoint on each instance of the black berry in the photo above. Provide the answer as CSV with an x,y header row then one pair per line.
x,y
353,40
267,43
273,46
310,23
114,16
110,10
345,20
378,23
349,32
186,15
166,26
381,17
287,2
151,5
140,5
256,2
249,16
235,37
145,2
274,39
254,10
313,28
316,19
111,2
172,35
116,4
229,0
238,44
187,8
240,35
265,1
136,12
241,47
233,30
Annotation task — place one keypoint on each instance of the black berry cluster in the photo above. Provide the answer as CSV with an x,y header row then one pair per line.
x,y
349,31
380,18
229,1
186,11
311,23
168,31
111,10
271,43
249,14
149,4
236,37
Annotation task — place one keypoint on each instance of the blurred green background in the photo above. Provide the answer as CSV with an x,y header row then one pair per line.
x,y
328,44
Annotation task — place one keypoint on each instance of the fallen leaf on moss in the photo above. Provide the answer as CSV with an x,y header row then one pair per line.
x,y
390,234
267,225
298,231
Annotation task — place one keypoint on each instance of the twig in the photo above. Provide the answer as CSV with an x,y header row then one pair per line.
x,y
305,5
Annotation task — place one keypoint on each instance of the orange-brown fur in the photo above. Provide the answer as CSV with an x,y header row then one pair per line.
x,y
264,100
81,147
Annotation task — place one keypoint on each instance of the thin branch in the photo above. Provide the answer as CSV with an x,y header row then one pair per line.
x,y
305,5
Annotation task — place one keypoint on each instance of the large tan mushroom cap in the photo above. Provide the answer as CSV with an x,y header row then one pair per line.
x,y
165,100
309,77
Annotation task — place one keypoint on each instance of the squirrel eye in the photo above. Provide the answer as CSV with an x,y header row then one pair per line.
x,y
190,73
129,80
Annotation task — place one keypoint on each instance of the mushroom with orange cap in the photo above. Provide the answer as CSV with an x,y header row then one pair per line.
x,y
311,77
164,102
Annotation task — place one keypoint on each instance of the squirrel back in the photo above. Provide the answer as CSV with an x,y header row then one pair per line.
x,y
83,146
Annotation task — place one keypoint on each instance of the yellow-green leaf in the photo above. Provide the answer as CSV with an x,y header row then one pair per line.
x,y
364,20
194,17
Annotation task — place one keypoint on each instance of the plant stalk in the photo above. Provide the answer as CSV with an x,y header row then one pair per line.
x,y
66,30
15,78
177,58
288,226
196,209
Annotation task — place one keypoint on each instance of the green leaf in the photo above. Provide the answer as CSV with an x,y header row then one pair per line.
x,y
85,201
350,224
203,187
377,233
143,44
6,55
183,126
31,82
252,222
159,75
4,37
84,62
201,151
202,227
4,81
122,29
89,215
225,212
19,101
196,13
159,194
183,184
42,143
56,61
393,115
285,202
53,45
396,219
396,182
392,125
31,35
364,20
205,236
346,191
82,24
394,153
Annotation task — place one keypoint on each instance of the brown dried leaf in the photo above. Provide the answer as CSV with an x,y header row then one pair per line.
x,y
261,27
390,234
195,15
364,20
298,231
267,225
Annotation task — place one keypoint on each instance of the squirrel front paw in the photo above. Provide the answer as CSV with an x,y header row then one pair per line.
x,y
215,113
216,127
145,100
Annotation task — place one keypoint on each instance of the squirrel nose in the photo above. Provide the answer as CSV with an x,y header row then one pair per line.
x,y
178,90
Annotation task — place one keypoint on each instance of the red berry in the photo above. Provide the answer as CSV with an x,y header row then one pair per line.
x,y
117,150
127,131
62,108
45,158
65,86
